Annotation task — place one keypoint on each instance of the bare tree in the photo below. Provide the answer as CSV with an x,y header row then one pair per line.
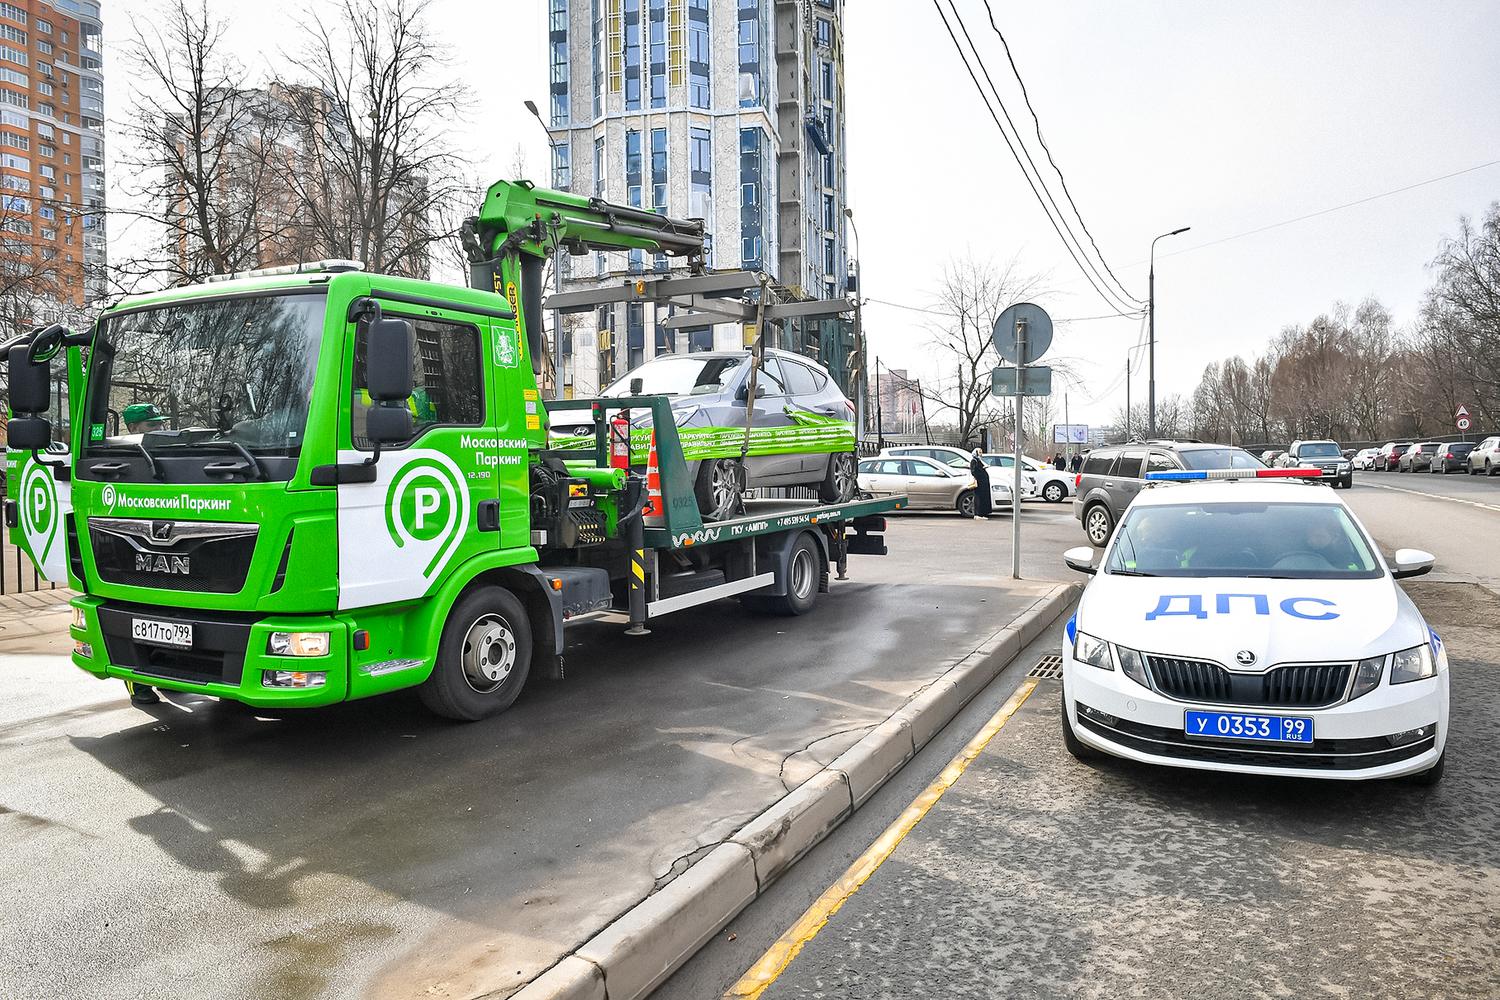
x,y
973,294
375,174
205,143
1464,306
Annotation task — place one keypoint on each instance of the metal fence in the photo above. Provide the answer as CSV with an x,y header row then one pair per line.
x,y
17,574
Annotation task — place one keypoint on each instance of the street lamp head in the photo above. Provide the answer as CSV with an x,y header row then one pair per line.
x,y
1175,231
531,106
848,212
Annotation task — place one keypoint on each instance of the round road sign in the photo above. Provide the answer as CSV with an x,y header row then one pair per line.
x,y
1464,423
1038,333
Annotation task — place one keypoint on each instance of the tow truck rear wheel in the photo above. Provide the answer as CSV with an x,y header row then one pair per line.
x,y
483,658
842,480
804,570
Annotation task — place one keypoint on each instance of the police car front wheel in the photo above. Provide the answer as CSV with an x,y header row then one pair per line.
x,y
1079,749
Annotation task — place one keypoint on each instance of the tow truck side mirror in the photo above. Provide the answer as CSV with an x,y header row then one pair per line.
x,y
30,397
388,373
1411,562
1082,559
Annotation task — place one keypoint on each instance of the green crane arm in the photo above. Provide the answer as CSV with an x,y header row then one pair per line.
x,y
520,225
518,215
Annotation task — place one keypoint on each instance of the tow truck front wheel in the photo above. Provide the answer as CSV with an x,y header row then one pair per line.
x,y
483,659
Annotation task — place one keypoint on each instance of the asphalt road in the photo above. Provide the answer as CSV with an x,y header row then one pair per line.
x,y
1038,876
1456,518
369,850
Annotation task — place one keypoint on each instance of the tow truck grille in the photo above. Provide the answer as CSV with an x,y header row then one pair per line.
x,y
1297,686
213,564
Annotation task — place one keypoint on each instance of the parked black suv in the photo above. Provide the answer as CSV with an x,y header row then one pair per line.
x,y
1112,476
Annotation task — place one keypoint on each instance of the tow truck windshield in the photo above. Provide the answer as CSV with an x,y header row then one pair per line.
x,y
227,378
1290,541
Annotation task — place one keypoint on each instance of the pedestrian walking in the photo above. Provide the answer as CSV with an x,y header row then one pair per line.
x,y
983,507
1076,464
1058,462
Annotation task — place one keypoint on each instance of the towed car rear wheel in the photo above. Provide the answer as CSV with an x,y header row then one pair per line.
x,y
720,488
841,483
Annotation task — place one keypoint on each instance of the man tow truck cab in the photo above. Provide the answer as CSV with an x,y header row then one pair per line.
x,y
345,485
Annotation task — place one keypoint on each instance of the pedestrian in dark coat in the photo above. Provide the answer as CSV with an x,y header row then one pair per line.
x,y
1076,464
1057,462
983,506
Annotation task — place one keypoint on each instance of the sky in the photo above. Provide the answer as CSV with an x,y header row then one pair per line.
x,y
1223,117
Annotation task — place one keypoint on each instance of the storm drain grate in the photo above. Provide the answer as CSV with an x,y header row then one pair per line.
x,y
1047,666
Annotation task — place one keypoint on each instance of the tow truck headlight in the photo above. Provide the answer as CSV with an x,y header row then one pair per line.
x,y
1367,676
80,618
1094,652
299,644
1413,664
294,678
1132,665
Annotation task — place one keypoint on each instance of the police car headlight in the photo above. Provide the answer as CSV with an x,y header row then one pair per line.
x,y
1413,664
1367,676
1094,652
1132,665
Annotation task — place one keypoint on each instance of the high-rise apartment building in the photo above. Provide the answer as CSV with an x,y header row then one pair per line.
x,y
52,228
727,110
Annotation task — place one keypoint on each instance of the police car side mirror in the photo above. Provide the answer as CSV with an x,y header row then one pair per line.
x,y
1082,559
1411,562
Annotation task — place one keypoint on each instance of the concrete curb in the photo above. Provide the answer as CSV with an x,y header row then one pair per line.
x,y
640,949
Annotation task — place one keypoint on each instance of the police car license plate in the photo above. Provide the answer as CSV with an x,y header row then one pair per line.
x,y
157,633
1239,726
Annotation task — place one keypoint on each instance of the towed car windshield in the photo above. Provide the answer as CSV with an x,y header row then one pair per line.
x,y
679,375
1325,450
237,372
1292,541
1199,459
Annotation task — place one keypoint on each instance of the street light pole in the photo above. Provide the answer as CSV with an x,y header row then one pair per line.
x,y
557,335
859,331
1151,314
879,415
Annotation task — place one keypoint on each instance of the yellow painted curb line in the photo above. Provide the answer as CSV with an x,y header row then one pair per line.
x,y
780,955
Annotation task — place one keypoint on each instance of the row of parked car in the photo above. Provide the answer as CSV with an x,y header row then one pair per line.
x,y
938,477
1437,457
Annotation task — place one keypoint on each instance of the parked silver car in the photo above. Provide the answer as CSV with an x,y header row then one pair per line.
x,y
1485,458
927,483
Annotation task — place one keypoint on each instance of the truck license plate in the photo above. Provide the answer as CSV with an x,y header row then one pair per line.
x,y
1240,726
157,633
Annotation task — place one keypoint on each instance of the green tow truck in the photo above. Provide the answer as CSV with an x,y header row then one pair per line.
x,y
299,488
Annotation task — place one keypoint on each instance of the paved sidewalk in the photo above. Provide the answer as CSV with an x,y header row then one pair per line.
x,y
35,622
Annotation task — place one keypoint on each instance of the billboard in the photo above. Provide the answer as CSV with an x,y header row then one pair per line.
x,y
1070,433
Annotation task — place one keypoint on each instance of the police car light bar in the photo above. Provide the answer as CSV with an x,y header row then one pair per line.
x,y
1186,476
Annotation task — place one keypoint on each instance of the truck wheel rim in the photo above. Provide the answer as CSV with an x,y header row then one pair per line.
x,y
1098,525
726,486
802,575
844,480
489,654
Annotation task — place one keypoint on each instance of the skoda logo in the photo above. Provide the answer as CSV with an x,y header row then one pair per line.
x,y
1244,658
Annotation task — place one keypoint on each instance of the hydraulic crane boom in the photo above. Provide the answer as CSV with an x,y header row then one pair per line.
x,y
520,225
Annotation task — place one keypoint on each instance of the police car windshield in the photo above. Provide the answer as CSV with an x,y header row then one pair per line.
x,y
1199,459
1292,541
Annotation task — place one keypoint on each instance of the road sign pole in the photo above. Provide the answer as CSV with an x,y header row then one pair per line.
x,y
1015,493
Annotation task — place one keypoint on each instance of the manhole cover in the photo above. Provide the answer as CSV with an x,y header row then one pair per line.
x,y
1047,666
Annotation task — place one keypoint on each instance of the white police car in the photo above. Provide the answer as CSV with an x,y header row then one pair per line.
x,y
1253,627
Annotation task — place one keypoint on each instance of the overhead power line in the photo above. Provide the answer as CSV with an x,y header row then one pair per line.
x,y
1085,270
939,312
1328,211
1037,121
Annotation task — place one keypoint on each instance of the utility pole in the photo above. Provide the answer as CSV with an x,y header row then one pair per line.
x,y
862,378
879,413
1068,429
1151,316
1127,395
557,259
